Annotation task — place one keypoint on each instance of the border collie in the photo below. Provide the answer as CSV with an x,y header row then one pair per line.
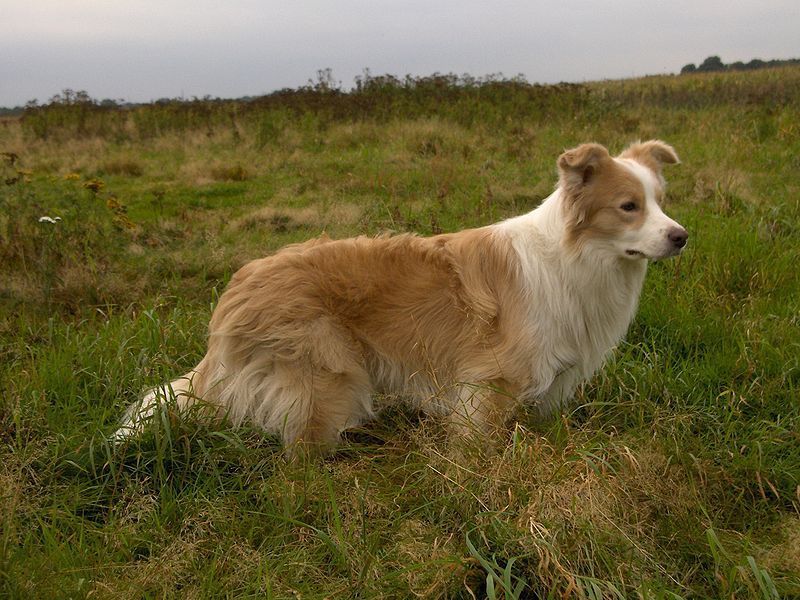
x,y
467,324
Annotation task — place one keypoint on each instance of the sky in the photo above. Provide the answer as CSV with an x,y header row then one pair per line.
x,y
148,49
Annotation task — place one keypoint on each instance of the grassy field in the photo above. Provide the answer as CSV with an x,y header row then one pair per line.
x,y
677,475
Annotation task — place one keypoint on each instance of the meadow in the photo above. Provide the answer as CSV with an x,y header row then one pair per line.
x,y
676,475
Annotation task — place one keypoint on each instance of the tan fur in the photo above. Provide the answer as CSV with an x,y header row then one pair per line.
x,y
592,203
576,166
332,320
596,186
654,154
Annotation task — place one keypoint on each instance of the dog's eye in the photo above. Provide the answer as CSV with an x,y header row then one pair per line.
x,y
629,206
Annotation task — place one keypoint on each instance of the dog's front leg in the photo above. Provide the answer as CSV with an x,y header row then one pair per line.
x,y
481,409
559,394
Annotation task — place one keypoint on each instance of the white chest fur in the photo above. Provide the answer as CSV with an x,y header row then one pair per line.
x,y
579,306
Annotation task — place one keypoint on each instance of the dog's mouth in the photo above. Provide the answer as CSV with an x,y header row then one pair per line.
x,y
635,253
639,254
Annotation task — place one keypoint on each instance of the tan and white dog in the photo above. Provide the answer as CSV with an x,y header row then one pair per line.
x,y
467,324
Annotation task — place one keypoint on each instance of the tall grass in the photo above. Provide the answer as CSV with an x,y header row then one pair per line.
x,y
675,476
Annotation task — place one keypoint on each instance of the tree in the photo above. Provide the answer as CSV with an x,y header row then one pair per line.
x,y
690,68
712,63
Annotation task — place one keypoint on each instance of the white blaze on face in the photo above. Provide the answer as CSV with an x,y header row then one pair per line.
x,y
652,238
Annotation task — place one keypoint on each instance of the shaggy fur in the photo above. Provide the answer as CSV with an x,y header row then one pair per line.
x,y
467,324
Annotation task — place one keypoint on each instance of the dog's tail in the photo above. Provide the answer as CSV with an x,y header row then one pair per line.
x,y
179,393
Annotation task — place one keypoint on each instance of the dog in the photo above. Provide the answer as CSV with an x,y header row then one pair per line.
x,y
467,324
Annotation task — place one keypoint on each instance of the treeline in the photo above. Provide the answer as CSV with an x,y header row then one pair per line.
x,y
714,63
67,97
463,98
494,100
370,93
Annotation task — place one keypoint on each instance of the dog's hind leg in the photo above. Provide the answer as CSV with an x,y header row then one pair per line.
x,y
334,402
317,389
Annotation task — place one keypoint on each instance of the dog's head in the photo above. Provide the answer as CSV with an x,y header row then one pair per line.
x,y
612,205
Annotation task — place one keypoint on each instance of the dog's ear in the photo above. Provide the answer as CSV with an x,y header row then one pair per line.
x,y
576,167
653,154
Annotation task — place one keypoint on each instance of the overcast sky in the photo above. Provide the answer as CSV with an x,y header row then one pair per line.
x,y
147,49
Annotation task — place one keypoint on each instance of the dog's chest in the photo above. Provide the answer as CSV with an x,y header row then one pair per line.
x,y
572,325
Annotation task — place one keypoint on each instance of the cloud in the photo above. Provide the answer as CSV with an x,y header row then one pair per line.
x,y
149,49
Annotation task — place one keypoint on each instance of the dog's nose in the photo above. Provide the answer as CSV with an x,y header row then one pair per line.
x,y
678,236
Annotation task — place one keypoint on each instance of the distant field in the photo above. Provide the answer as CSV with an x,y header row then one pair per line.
x,y
676,476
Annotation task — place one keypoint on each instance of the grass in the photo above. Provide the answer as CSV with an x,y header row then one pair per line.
x,y
677,475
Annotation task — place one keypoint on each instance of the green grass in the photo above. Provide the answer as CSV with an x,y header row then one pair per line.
x,y
677,475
